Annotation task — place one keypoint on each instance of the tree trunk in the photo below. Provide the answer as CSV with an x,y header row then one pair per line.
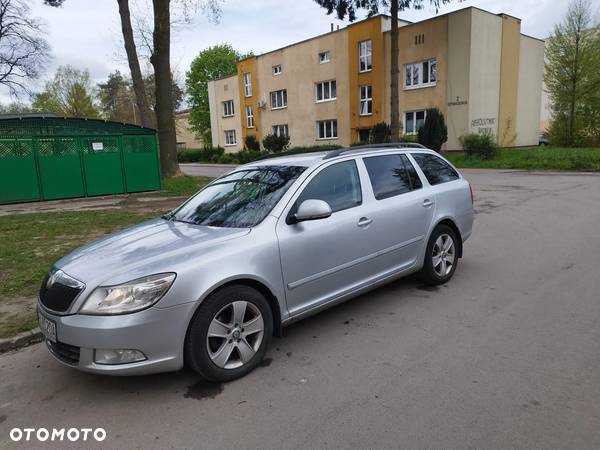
x,y
161,61
134,64
394,106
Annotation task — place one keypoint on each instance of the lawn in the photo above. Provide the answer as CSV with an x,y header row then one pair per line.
x,y
31,243
182,185
533,158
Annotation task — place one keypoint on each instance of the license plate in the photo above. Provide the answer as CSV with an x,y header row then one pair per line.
x,y
47,326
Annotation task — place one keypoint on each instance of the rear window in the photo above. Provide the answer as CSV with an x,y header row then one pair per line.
x,y
436,170
391,175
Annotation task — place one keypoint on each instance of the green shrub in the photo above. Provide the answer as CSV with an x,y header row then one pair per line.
x,y
479,145
251,143
206,155
434,132
380,133
275,143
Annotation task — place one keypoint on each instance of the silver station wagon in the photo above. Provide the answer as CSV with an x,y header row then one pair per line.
x,y
267,244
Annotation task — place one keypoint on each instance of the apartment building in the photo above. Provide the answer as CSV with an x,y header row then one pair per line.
x,y
475,66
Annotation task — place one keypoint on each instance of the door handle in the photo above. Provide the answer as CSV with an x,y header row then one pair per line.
x,y
364,221
427,203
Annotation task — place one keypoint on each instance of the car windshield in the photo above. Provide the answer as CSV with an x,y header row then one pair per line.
x,y
238,200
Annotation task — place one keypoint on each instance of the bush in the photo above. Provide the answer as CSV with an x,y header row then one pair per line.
x,y
380,133
479,145
207,155
275,143
251,143
434,132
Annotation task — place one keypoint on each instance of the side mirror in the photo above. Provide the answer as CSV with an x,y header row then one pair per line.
x,y
312,209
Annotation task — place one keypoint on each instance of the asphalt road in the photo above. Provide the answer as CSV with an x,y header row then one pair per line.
x,y
506,355
205,170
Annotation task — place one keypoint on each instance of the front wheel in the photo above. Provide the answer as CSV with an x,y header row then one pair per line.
x,y
441,256
229,334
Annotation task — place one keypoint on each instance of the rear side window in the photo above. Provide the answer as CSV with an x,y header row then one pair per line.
x,y
338,185
436,170
391,175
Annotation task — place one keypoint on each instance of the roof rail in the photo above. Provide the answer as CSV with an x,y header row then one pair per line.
x,y
341,151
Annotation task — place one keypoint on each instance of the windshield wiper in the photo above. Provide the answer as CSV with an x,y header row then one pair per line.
x,y
169,216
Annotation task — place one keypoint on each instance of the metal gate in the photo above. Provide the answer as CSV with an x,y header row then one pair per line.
x,y
55,167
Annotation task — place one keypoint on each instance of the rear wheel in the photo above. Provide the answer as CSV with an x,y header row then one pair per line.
x,y
229,334
441,256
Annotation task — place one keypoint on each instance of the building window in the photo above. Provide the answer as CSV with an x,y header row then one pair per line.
x,y
364,56
324,57
327,129
281,130
325,91
247,85
249,116
420,74
230,137
276,70
279,99
366,101
413,120
228,108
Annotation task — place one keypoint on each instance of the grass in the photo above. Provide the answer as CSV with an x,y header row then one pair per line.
x,y
31,243
533,158
183,185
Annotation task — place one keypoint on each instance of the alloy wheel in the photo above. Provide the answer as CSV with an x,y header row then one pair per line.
x,y
443,255
235,334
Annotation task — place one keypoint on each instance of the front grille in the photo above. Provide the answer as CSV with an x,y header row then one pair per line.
x,y
57,297
66,353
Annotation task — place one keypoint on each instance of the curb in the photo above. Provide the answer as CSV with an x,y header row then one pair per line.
x,y
21,340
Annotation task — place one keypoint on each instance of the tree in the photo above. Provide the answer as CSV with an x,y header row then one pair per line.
x,y
572,76
15,108
349,8
276,143
434,132
23,50
211,63
68,94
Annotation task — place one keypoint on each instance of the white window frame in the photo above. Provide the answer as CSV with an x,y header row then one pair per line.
x,y
365,97
249,116
228,134
276,70
414,114
365,55
417,70
281,130
324,57
247,84
280,97
329,129
228,108
320,88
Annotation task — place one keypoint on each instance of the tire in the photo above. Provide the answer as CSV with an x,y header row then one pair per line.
x,y
235,346
440,264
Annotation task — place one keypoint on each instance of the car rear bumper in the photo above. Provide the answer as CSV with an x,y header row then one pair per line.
x,y
158,333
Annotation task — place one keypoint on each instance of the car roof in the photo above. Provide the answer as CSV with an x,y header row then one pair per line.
x,y
310,159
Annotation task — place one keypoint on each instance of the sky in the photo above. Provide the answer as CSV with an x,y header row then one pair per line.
x,y
86,33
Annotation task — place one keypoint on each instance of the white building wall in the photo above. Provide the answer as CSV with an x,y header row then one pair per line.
x,y
529,98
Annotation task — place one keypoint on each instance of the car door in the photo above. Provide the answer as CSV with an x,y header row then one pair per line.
x,y
402,212
321,259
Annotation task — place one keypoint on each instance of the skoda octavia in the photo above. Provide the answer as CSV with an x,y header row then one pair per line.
x,y
267,244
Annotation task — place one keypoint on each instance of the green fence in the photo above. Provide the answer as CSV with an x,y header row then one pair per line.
x,y
50,166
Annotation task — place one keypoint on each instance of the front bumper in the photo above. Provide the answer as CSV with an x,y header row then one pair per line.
x,y
157,332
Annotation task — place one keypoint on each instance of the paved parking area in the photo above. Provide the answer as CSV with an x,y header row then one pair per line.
x,y
506,355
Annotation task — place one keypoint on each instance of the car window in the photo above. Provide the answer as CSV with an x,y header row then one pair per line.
x,y
238,200
436,170
338,185
391,175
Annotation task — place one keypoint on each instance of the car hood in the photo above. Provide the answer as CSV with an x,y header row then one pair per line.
x,y
151,247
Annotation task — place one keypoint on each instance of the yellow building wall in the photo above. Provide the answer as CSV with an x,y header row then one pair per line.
x,y
362,31
509,79
249,65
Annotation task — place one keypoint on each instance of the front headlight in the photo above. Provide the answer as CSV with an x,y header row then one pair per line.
x,y
128,297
